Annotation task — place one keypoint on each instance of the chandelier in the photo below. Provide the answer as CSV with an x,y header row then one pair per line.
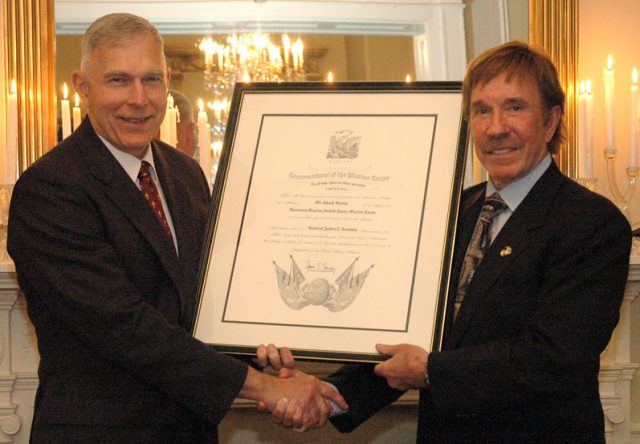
x,y
247,58
243,58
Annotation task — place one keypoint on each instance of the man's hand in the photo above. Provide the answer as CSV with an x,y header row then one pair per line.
x,y
270,356
405,368
288,413
300,398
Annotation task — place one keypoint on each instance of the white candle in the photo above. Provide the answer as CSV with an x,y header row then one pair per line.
x,y
217,110
609,105
585,129
9,175
217,150
286,43
330,77
165,127
220,51
589,132
582,131
633,148
204,141
65,110
300,53
173,121
77,115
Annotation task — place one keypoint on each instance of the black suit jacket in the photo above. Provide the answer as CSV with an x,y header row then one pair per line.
x,y
112,303
521,362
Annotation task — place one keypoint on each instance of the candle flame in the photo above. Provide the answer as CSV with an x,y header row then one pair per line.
x,y
201,105
13,86
245,78
77,100
408,78
330,77
610,62
583,88
65,91
634,76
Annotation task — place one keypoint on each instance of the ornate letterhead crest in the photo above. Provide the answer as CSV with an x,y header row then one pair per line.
x,y
343,145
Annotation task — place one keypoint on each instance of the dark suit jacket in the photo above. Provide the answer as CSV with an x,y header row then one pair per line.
x,y
112,303
521,362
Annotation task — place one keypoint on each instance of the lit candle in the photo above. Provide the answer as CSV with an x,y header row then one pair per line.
x,y
65,110
217,110
165,127
609,105
217,150
589,132
173,121
9,175
77,116
220,51
300,53
330,77
633,148
585,128
286,43
408,78
204,141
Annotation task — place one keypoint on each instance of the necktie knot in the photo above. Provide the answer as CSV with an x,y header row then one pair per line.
x,y
494,203
144,170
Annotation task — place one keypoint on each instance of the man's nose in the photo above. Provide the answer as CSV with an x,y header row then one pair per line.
x,y
138,94
497,124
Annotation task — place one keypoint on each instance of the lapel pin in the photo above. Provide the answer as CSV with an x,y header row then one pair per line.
x,y
506,251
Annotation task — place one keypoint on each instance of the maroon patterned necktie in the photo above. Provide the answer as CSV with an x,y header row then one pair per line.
x,y
150,192
480,241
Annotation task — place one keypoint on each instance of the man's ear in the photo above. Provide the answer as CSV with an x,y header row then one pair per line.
x,y
553,119
81,87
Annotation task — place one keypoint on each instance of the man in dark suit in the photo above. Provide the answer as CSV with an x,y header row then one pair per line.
x,y
110,273
525,327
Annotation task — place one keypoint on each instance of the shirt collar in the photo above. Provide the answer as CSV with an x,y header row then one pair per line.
x,y
514,193
130,163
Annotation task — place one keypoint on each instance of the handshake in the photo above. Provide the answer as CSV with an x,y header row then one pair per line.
x,y
303,402
296,400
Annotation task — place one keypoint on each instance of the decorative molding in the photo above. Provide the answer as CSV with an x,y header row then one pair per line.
x,y
10,424
26,381
614,414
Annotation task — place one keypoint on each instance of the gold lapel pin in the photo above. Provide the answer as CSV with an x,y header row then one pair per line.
x,y
506,251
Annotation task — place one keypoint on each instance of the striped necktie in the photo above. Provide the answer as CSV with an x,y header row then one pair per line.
x,y
150,192
480,241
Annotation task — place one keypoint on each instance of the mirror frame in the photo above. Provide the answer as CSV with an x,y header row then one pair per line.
x,y
29,56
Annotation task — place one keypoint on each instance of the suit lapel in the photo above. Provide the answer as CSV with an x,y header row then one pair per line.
x,y
511,242
119,188
469,212
176,192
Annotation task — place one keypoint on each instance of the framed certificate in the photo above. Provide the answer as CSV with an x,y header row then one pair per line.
x,y
333,218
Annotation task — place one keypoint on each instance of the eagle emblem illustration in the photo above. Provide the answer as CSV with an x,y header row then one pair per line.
x,y
343,145
297,293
